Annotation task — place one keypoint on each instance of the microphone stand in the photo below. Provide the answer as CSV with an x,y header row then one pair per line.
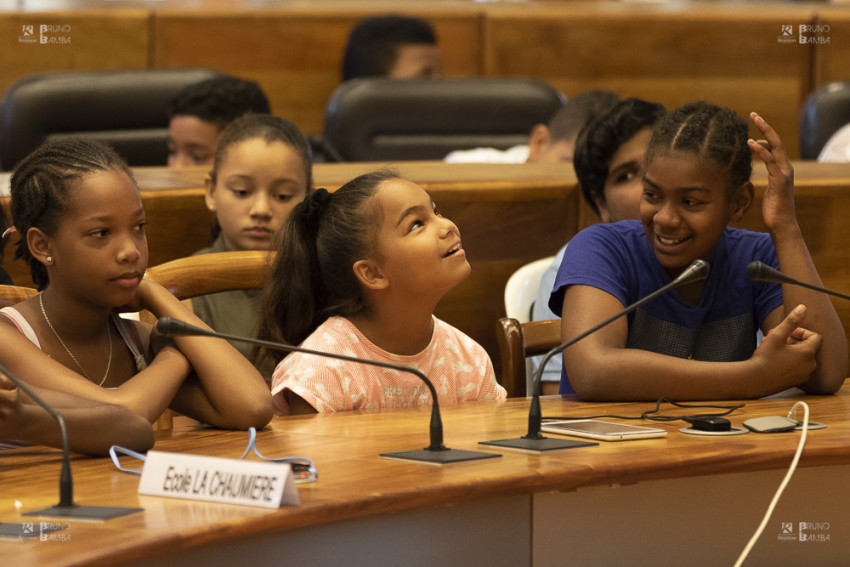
x,y
534,440
762,272
436,452
66,507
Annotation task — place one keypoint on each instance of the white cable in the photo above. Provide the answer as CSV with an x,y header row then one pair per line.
x,y
791,415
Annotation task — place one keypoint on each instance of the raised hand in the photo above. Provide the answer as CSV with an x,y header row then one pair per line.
x,y
778,203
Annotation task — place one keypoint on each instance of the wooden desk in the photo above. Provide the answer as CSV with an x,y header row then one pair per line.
x,y
682,500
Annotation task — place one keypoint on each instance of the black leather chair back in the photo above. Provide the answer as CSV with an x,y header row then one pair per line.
x,y
826,110
126,109
383,119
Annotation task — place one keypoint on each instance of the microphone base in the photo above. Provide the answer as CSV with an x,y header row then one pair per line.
x,y
537,445
86,512
440,457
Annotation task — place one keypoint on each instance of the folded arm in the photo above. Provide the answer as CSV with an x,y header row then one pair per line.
x,y
601,368
92,426
225,389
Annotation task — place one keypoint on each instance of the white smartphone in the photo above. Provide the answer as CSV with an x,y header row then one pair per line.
x,y
602,430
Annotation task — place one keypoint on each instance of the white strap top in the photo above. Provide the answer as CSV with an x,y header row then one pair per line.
x,y
26,329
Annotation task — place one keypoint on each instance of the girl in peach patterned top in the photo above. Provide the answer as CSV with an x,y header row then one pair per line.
x,y
359,272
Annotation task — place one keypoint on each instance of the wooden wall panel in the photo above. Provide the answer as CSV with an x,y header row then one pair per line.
x,y
100,40
832,61
722,53
296,54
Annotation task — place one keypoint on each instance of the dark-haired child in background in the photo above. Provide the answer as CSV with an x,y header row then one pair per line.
x,y
198,114
554,142
393,46
262,169
609,166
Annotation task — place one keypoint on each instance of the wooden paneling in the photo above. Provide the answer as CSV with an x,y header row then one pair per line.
x,y
354,483
832,60
296,53
727,54
99,39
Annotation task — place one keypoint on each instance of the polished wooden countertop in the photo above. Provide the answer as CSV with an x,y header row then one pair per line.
x,y
355,482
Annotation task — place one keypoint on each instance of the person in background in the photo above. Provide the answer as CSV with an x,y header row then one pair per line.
x,y
609,166
837,148
393,46
198,114
359,272
548,143
262,169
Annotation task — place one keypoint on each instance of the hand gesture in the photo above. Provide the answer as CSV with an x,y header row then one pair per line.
x,y
778,202
788,351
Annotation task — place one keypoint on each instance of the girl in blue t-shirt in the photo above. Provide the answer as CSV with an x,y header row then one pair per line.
x,y
697,342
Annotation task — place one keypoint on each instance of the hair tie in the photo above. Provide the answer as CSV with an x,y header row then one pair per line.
x,y
312,208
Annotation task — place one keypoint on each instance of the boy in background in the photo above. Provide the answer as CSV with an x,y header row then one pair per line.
x,y
548,143
397,47
199,113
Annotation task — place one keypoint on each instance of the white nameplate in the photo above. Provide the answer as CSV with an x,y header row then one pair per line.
x,y
213,479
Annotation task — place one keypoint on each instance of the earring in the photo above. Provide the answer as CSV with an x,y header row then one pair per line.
x,y
49,259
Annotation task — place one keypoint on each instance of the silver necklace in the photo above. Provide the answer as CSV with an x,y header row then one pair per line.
x,y
71,354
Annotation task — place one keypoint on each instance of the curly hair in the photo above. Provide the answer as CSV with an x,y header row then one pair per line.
x,y
602,136
220,100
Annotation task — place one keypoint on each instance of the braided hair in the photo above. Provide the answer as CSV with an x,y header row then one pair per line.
x,y
41,189
312,278
712,132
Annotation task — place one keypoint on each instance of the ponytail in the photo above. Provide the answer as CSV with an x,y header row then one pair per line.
x,y
312,277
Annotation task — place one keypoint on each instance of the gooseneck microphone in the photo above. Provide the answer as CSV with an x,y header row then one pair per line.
x,y
534,440
66,507
436,452
760,271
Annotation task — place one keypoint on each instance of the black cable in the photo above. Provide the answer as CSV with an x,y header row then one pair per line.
x,y
652,414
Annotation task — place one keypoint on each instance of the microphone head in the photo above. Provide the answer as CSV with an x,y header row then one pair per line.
x,y
169,326
759,271
701,269
698,270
